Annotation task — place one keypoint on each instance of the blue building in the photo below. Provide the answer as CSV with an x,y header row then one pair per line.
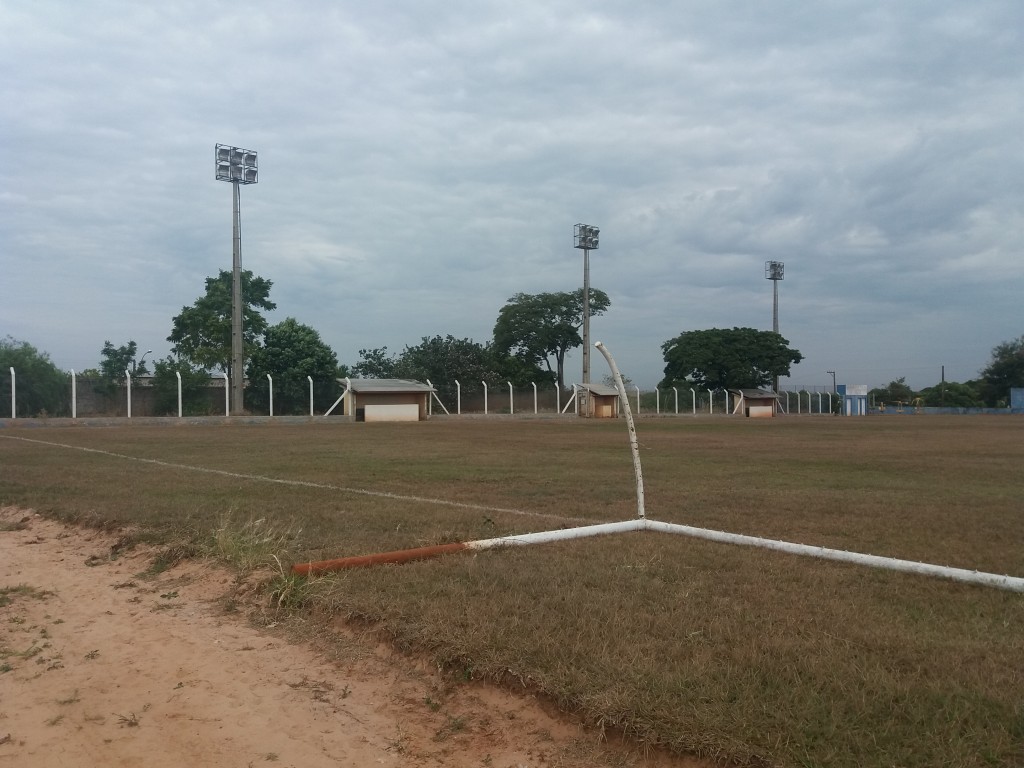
x,y
854,399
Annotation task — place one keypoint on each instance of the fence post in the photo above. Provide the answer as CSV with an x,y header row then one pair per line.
x,y
485,396
227,404
310,378
637,398
128,377
270,380
178,374
458,398
693,396
657,401
74,395
674,389
534,383
711,403
558,398
14,401
511,404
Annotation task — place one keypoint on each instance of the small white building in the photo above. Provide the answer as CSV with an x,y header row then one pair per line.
x,y
855,399
387,400
600,401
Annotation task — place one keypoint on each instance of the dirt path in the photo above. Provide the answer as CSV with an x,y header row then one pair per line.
x,y
100,666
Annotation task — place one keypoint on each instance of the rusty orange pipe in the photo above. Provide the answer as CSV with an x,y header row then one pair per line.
x,y
381,558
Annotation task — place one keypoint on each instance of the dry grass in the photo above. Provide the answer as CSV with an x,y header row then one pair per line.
x,y
728,652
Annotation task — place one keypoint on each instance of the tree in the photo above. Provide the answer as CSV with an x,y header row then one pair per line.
x,y
544,326
375,364
722,359
1004,372
290,353
445,360
116,360
951,395
896,391
201,334
195,388
40,387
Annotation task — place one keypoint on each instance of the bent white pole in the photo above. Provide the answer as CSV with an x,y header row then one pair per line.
x,y
637,471
558,398
674,389
534,397
511,404
128,378
227,393
1013,583
270,381
563,534
74,395
458,398
14,402
348,385
178,374
433,396
693,395
485,396
310,380
711,403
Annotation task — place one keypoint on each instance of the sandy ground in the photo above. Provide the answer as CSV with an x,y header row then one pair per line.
x,y
102,666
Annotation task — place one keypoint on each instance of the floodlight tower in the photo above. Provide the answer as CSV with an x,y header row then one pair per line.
x,y
237,166
774,270
587,239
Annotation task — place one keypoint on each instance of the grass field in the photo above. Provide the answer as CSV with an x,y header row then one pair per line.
x,y
733,653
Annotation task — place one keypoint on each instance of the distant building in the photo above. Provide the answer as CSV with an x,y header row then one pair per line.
x,y
601,402
755,403
854,398
387,400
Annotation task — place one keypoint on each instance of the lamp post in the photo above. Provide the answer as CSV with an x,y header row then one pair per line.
x,y
141,360
587,239
775,271
236,166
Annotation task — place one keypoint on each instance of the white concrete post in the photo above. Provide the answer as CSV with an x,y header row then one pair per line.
x,y
14,401
693,395
637,398
270,380
178,374
227,395
511,404
74,395
534,397
458,398
310,380
128,377
674,389
711,403
485,396
558,398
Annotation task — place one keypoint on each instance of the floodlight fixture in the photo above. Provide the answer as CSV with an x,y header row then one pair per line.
x,y
774,270
586,237
236,166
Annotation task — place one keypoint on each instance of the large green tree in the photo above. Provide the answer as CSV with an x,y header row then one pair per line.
x,y
201,334
720,358
896,391
541,328
290,353
951,395
114,361
444,360
40,387
1004,372
196,394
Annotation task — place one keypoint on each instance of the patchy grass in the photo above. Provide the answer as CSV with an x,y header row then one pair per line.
x,y
732,653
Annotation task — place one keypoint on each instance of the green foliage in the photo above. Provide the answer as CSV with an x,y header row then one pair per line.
x,y
116,360
1004,372
292,351
202,333
952,395
195,388
41,388
540,327
375,364
445,360
894,392
719,358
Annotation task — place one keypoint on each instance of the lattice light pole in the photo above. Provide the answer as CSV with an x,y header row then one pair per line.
x,y
237,166
586,238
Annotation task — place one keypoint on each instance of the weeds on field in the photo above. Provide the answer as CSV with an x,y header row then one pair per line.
x,y
251,544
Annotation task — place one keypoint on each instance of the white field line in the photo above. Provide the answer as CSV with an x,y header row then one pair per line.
x,y
306,483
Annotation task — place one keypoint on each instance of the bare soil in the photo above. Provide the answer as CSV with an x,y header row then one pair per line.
x,y
103,665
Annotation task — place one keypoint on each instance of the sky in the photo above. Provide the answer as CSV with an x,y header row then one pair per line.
x,y
422,162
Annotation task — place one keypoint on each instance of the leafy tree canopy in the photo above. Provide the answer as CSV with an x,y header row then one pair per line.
x,y
201,333
721,359
542,327
40,387
951,395
290,353
896,391
375,364
1004,372
116,360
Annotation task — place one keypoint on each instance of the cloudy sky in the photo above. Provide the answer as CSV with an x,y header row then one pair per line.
x,y
421,162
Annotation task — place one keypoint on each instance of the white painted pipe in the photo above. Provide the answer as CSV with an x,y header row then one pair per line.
x,y
545,537
458,398
711,403
693,395
14,401
270,382
128,378
558,398
637,471
485,396
310,380
178,374
534,397
1013,583
674,389
227,393
511,403
74,395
